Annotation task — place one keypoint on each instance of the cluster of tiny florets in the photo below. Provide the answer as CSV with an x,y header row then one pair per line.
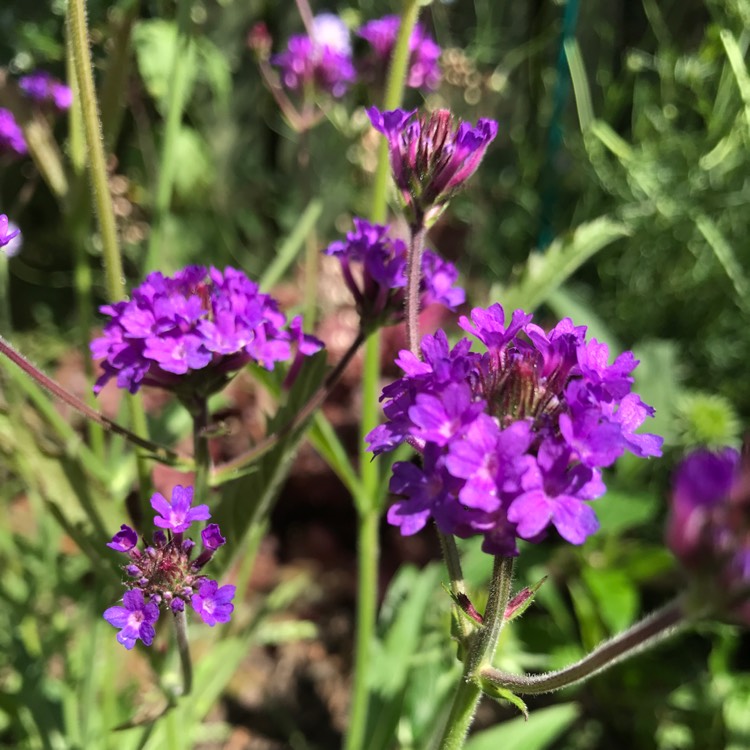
x,y
165,573
513,437
189,331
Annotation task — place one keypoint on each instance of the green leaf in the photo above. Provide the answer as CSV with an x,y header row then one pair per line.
x,y
615,594
543,728
620,511
501,694
547,271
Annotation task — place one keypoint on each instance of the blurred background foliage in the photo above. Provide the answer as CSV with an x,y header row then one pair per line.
x,y
624,134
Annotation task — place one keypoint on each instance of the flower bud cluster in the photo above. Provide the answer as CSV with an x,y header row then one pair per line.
x,y
165,573
512,437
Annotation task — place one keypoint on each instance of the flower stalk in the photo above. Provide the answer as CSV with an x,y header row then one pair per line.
x,y
183,649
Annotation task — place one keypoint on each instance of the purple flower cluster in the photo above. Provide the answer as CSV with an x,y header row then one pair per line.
x,y
431,158
374,269
424,53
322,63
163,573
11,135
43,88
513,437
187,332
709,526
10,237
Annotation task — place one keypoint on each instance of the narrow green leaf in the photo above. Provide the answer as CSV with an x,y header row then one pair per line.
x,y
501,694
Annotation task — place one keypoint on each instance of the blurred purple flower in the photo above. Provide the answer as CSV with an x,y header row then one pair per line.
x,y
374,268
212,603
513,436
178,515
322,63
424,53
42,87
12,140
135,619
431,157
189,332
10,237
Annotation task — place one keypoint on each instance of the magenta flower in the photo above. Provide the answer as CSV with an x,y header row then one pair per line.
x,y
212,538
12,140
424,53
42,87
431,157
212,603
135,619
512,436
190,332
178,515
124,540
321,64
374,268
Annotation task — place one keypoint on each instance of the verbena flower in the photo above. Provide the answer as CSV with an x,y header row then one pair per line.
x,y
709,528
12,140
513,436
189,331
424,53
322,63
165,573
10,237
42,87
374,267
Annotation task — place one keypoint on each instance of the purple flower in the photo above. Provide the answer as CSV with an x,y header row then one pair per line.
x,y
430,157
42,87
212,538
178,515
709,528
322,63
124,540
212,603
10,236
513,436
12,140
164,573
135,619
424,53
189,332
374,268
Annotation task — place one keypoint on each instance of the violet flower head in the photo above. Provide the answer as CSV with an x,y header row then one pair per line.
x,y
513,436
322,63
10,237
135,619
431,156
165,574
424,53
190,332
212,603
374,268
43,88
12,140
708,529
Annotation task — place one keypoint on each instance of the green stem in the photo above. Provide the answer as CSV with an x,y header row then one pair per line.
x,y
481,652
367,603
201,453
368,503
183,648
179,84
413,277
654,629
78,40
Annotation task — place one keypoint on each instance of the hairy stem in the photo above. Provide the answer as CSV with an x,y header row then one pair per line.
x,y
413,279
183,648
654,629
201,454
